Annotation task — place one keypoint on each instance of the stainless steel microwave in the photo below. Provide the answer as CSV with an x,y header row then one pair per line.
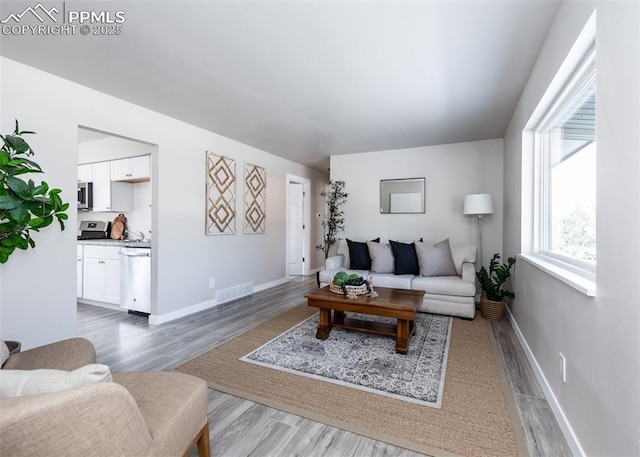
x,y
85,196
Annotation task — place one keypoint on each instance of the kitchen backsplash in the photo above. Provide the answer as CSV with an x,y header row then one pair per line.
x,y
139,219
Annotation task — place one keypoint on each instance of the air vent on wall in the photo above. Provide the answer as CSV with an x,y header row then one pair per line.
x,y
231,293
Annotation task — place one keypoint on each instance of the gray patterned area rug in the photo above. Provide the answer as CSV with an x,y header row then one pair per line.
x,y
366,361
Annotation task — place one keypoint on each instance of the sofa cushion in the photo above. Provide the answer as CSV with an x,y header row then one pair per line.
x,y
381,257
435,260
444,285
405,258
17,383
359,258
391,280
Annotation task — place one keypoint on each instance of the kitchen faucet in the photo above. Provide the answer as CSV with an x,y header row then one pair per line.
x,y
138,234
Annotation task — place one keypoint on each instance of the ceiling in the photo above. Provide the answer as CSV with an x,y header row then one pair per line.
x,y
308,79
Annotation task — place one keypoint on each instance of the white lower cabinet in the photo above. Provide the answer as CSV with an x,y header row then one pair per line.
x,y
101,274
79,270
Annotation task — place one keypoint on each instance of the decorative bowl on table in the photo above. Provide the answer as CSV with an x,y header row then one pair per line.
x,y
351,285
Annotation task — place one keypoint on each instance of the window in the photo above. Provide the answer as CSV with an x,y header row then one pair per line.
x,y
565,155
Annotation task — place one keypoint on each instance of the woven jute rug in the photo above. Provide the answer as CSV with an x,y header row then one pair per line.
x,y
477,417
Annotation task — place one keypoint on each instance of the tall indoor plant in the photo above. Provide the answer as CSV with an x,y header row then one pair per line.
x,y
494,295
24,206
333,221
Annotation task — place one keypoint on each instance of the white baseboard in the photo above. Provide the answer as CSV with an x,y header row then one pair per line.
x,y
196,308
182,312
565,426
101,304
271,284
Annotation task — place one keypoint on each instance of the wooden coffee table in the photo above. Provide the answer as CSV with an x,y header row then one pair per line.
x,y
399,304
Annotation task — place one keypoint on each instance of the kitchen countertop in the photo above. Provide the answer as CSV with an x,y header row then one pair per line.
x,y
110,242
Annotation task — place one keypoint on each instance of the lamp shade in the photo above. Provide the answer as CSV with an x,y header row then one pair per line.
x,y
478,204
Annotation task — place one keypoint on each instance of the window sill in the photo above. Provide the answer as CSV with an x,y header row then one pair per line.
x,y
578,282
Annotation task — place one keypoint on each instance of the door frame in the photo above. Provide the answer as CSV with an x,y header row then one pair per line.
x,y
306,221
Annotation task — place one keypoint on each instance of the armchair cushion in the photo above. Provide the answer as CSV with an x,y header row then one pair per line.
x,y
18,383
100,419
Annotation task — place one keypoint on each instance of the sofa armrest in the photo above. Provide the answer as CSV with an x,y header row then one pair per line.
x,y
62,355
96,419
468,272
334,262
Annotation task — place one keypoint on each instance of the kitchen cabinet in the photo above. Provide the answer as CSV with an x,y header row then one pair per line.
x,y
107,194
85,172
79,269
131,169
101,274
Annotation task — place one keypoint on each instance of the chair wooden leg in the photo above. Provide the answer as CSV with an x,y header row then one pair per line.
x,y
202,440
204,449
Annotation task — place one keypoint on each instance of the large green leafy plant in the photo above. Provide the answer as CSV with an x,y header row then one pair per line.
x,y
333,222
24,206
492,281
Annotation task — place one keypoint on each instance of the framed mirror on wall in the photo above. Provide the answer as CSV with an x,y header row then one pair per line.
x,y
402,196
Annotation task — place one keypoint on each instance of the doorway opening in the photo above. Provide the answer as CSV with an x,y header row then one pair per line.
x,y
119,171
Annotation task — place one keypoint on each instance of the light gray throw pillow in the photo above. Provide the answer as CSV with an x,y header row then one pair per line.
x,y
381,257
435,260
18,383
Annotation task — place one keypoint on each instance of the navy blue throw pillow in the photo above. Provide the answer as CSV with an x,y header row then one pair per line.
x,y
359,255
405,258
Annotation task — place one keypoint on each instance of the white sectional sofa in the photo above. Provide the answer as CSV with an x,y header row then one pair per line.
x,y
447,290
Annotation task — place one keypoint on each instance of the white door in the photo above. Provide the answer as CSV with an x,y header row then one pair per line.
x,y
296,228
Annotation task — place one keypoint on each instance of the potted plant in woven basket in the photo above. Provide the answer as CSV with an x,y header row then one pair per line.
x,y
493,297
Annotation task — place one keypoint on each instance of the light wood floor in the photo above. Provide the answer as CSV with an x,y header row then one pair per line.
x,y
242,428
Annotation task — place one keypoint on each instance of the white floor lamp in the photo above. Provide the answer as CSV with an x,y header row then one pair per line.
x,y
478,205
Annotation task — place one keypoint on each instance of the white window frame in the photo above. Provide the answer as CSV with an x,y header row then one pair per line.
x,y
573,73
585,74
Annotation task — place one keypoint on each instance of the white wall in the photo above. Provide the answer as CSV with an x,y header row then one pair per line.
x,y
451,171
600,337
38,302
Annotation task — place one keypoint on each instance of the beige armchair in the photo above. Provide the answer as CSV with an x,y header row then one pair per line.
x,y
63,355
138,414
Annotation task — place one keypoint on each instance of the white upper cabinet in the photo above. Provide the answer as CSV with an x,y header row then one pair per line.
x,y
108,195
132,169
85,172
